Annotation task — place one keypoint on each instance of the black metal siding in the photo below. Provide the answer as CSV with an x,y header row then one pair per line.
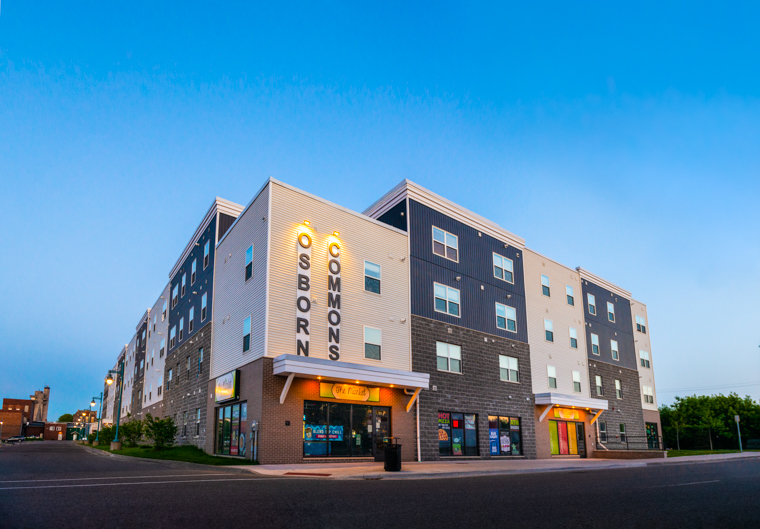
x,y
621,330
396,216
225,221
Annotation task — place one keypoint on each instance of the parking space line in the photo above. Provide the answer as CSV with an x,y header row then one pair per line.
x,y
116,477
133,483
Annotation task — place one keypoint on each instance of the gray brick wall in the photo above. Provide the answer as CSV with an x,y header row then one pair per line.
x,y
188,390
627,410
477,390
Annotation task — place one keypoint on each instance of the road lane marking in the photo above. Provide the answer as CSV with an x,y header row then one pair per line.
x,y
115,477
684,484
137,483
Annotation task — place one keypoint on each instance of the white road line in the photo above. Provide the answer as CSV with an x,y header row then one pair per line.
x,y
114,477
684,484
137,483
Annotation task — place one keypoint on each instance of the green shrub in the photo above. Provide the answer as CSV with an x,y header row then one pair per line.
x,y
131,432
161,432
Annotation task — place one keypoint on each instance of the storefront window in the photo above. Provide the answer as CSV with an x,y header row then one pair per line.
x,y
344,430
230,429
504,435
457,434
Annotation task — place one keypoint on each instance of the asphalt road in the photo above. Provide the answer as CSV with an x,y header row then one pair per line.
x,y
58,484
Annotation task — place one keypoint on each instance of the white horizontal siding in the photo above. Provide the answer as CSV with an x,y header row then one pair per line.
x,y
154,374
643,343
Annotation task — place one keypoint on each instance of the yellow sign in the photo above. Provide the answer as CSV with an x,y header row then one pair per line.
x,y
348,392
562,413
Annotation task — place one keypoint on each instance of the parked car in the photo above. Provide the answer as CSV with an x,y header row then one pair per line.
x,y
15,439
753,444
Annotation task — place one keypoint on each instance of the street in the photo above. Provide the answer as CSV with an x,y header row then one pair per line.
x,y
64,485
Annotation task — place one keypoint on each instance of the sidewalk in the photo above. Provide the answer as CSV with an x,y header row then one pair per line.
x,y
453,469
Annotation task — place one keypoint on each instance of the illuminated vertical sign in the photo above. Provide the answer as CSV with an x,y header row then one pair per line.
x,y
333,300
303,294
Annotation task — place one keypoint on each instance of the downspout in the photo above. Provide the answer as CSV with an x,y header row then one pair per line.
x,y
419,455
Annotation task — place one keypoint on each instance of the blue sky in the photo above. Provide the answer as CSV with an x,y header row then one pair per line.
x,y
619,138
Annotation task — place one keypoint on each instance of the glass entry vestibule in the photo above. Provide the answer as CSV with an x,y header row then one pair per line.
x,y
231,435
567,438
344,430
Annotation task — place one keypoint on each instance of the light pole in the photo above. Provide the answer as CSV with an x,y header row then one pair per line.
x,y
100,417
1,429
116,444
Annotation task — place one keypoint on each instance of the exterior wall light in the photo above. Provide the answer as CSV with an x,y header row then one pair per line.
x,y
336,233
307,223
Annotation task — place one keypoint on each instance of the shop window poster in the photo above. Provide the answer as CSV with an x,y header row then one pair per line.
x,y
235,430
493,439
320,432
505,442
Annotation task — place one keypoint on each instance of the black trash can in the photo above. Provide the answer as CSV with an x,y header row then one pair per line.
x,y
392,456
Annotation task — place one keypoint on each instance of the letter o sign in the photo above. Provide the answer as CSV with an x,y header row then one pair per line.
x,y
304,239
301,301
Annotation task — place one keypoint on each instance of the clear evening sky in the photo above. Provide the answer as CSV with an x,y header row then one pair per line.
x,y
621,138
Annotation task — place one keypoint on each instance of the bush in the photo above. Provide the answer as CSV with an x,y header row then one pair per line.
x,y
131,431
161,432
106,435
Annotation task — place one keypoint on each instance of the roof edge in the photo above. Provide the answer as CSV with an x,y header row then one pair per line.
x,y
585,274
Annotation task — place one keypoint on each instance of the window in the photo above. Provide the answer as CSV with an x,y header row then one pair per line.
x,y
457,434
206,254
184,424
503,268
247,334
595,344
197,422
191,320
641,324
506,317
173,336
622,433
371,277
573,338
503,435
569,293
373,341
591,304
175,295
184,282
152,355
160,386
163,314
169,380
648,395
577,381
552,372
142,365
162,350
188,364
193,268
618,389
154,323
203,307
548,331
614,349
446,299
508,369
545,290
599,387
249,263
644,357
611,312
602,432
200,361
449,357
445,244
181,328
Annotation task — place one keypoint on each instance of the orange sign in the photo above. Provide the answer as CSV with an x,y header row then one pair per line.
x,y
563,413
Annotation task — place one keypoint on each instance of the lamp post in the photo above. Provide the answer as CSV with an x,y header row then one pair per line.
x,y
116,444
96,442
1,429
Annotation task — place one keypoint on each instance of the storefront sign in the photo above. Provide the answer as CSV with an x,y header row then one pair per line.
x,y
320,432
348,392
333,300
563,413
303,293
226,387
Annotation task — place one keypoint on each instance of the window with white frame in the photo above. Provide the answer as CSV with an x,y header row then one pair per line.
x,y
200,361
551,371
445,244
449,357
577,381
641,324
548,331
169,380
191,319
181,328
503,268
599,387
611,312
648,395
570,296
446,299
545,290
644,357
595,344
591,304
206,250
614,349
249,263
163,313
197,422
173,336
193,269
573,338
247,334
508,369
203,307
602,432
506,317
162,349
372,277
175,295
373,343
618,389
184,283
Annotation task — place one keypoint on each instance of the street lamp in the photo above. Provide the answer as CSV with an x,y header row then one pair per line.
x,y
100,416
109,380
1,429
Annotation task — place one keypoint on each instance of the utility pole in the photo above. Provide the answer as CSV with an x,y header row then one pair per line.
x,y
736,418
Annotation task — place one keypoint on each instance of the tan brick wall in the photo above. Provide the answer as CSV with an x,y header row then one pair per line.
x,y
11,422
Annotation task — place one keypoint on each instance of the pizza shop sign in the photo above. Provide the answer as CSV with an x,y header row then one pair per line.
x,y
303,296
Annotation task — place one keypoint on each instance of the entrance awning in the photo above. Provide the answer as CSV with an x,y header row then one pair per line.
x,y
318,368
550,400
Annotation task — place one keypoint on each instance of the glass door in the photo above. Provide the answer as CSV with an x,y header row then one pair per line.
x,y
581,439
653,440
381,428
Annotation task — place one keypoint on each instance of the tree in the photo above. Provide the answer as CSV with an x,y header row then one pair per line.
x,y
131,431
161,432
66,417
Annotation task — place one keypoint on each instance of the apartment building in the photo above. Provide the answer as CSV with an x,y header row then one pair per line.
x,y
155,355
645,366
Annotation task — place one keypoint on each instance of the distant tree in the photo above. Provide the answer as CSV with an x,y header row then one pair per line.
x,y
161,432
66,417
